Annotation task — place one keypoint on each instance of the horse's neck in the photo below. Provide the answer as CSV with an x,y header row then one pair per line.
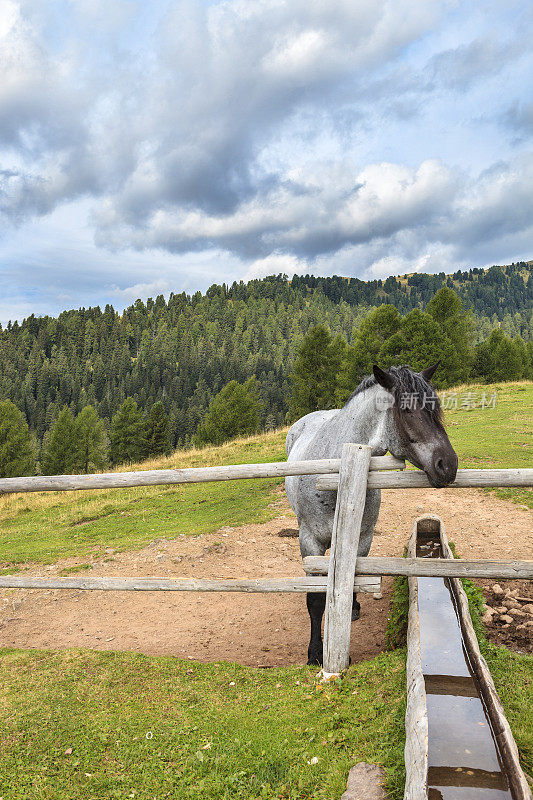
x,y
362,420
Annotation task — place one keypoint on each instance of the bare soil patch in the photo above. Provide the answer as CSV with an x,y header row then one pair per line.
x,y
508,617
251,629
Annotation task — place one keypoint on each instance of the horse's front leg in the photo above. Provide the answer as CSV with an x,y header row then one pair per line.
x,y
316,603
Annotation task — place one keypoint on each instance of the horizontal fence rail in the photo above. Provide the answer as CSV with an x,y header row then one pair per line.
x,y
367,579
160,477
466,478
428,568
297,584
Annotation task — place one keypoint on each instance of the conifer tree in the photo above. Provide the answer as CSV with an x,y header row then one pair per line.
x,y
446,309
92,441
60,449
233,412
16,452
127,436
375,329
419,343
315,374
156,433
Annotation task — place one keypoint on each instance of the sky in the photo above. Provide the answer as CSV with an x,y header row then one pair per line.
x,y
149,147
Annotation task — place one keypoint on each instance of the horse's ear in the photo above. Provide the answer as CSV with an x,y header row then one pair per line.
x,y
383,377
428,372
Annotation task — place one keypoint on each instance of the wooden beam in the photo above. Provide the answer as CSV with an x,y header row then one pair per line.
x,y
428,567
296,584
355,462
466,478
160,477
416,715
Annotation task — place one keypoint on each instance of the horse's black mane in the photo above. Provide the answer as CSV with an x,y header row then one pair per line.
x,y
408,384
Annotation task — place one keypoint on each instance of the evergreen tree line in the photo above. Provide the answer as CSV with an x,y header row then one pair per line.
x,y
178,355
81,443
327,369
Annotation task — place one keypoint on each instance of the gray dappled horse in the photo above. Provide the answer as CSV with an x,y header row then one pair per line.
x,y
394,410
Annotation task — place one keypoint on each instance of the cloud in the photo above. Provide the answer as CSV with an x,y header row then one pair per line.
x,y
519,117
230,139
181,129
460,66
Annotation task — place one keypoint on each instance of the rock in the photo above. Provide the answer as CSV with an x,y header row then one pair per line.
x,y
497,589
501,609
510,602
487,618
365,782
528,609
506,618
490,609
161,557
110,550
517,612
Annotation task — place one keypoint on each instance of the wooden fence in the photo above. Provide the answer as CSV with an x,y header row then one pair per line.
x,y
339,576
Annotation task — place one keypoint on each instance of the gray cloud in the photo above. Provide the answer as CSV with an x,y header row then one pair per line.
x,y
182,128
519,117
172,143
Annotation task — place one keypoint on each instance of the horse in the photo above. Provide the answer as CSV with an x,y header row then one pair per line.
x,y
395,410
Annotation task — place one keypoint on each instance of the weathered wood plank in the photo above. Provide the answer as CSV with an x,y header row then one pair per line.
x,y
355,462
160,477
416,717
426,567
500,726
296,584
466,478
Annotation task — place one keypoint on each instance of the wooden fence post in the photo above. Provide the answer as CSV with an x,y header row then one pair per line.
x,y
355,461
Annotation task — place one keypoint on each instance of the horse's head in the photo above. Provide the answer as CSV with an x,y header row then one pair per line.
x,y
419,435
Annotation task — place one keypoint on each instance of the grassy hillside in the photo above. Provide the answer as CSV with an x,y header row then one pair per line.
x,y
87,725
44,527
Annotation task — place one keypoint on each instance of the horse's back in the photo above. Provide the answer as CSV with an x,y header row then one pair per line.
x,y
303,431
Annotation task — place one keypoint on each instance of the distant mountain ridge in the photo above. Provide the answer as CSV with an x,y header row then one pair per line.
x,y
497,290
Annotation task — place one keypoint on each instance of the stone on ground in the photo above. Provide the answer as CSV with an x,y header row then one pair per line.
x,y
365,782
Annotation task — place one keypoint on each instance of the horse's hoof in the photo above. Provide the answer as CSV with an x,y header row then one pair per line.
x,y
314,658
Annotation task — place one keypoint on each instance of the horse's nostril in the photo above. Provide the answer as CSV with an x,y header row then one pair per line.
x,y
439,465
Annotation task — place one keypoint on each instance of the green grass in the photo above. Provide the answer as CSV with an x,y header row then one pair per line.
x,y
43,527
499,437
156,727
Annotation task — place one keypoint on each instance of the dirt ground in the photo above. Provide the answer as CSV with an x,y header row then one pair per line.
x,y
508,616
251,629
